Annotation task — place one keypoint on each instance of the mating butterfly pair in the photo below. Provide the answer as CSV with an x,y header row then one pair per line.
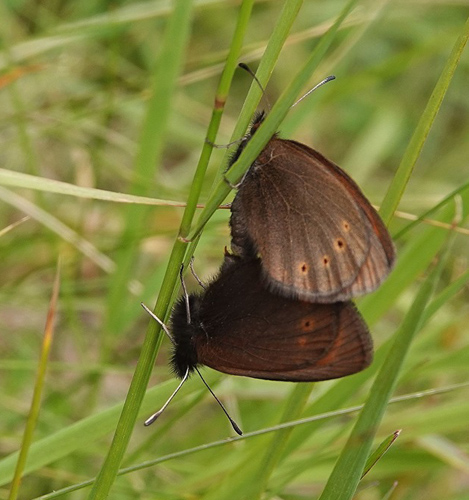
x,y
305,240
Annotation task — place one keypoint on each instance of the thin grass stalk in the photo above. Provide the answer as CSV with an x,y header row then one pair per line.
x,y
214,125
266,66
218,108
295,424
148,159
169,66
412,153
270,125
153,338
38,389
264,71
27,181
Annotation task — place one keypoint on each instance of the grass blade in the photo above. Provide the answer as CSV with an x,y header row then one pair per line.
x,y
399,183
343,481
38,388
151,146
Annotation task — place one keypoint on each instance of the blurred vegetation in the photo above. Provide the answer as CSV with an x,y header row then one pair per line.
x,y
75,82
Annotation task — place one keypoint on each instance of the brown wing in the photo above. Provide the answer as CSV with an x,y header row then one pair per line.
x,y
318,236
252,332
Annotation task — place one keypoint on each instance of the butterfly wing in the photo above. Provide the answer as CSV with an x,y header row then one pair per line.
x,y
318,236
253,332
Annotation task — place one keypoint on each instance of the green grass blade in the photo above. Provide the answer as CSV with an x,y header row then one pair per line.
x,y
27,181
50,221
266,67
343,481
379,452
38,389
152,338
271,123
399,183
151,147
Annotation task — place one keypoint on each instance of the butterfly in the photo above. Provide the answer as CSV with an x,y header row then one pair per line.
x,y
237,326
318,237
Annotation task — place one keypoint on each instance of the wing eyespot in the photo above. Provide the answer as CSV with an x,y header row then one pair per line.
x,y
340,244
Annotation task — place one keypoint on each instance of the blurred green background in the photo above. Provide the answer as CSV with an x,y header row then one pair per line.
x,y
75,82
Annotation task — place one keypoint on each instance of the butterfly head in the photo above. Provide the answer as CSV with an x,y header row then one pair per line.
x,y
184,333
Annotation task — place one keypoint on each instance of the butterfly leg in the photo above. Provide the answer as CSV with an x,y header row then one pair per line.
x,y
238,184
186,295
199,281
222,146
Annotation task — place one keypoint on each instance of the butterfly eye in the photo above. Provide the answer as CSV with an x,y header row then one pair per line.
x,y
304,267
326,261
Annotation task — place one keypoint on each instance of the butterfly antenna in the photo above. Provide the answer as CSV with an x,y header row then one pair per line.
x,y
186,295
158,320
251,72
232,422
199,281
320,84
151,419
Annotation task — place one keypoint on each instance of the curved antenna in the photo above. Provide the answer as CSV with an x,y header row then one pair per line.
x,y
158,320
320,84
232,422
251,72
155,415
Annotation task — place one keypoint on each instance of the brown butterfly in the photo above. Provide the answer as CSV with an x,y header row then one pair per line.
x,y
317,235
239,327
